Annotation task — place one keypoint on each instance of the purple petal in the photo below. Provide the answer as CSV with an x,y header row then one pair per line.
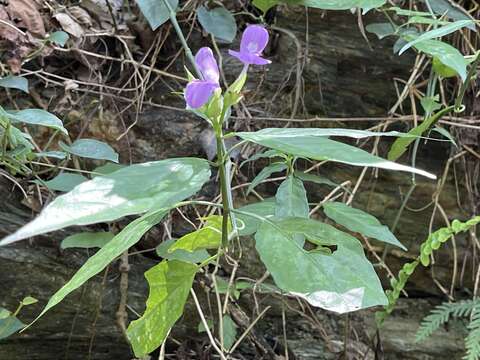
x,y
254,40
207,65
198,92
249,59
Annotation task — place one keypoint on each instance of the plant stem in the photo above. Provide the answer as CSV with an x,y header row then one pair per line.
x,y
173,18
461,94
224,184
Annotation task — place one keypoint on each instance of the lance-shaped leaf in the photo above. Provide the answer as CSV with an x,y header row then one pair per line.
x,y
208,237
170,283
343,4
126,238
265,173
87,240
63,182
14,82
342,282
298,142
291,199
437,33
359,221
194,257
400,145
131,190
37,117
91,149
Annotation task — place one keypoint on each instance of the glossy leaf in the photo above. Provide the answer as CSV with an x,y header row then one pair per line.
x,y
91,149
359,221
63,182
265,173
208,237
194,257
14,82
249,223
291,199
219,22
87,240
279,133
126,238
446,54
132,190
229,332
437,33
170,283
58,38
37,117
320,148
400,145
155,11
342,282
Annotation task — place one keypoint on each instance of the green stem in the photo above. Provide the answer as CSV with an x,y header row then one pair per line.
x,y
224,184
173,18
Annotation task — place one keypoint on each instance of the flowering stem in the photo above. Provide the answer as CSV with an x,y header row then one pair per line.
x,y
224,182
176,26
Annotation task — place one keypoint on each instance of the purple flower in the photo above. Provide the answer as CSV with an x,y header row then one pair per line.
x,y
198,92
254,41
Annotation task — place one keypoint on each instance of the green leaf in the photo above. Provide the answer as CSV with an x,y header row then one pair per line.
x,y
451,10
400,145
444,132
58,37
208,237
265,173
201,328
132,190
265,5
9,325
37,117
15,82
91,149
317,179
320,148
264,209
106,169
170,283
229,332
52,154
28,300
126,238
278,133
382,30
155,11
291,199
437,33
63,182
219,22
87,240
344,4
342,282
194,257
359,221
446,54
430,104
262,155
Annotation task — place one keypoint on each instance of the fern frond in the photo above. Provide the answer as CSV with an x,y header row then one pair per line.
x,y
472,341
441,314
